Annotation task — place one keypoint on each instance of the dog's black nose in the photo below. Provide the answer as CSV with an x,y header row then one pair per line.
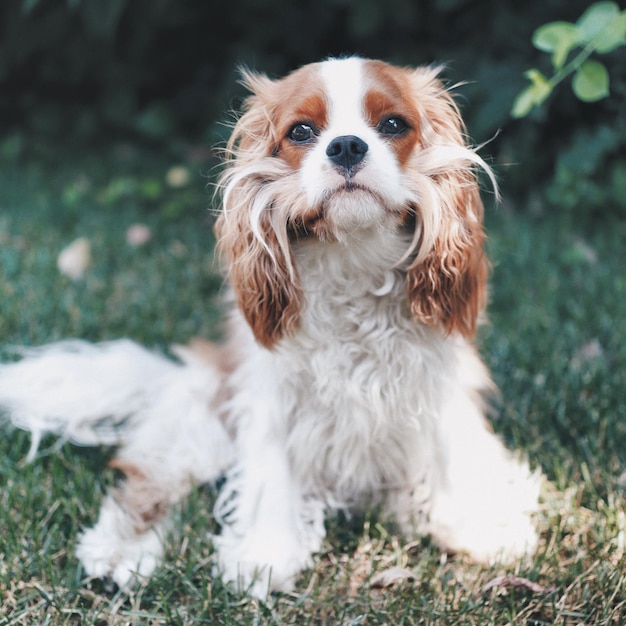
x,y
346,151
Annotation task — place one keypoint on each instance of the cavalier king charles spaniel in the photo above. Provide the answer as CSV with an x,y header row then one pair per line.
x,y
352,237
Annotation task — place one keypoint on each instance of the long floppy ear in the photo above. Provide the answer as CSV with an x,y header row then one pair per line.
x,y
447,282
251,229
449,287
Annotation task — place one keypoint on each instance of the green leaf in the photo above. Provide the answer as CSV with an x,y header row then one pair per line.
x,y
591,81
533,95
540,83
596,18
524,102
613,36
558,38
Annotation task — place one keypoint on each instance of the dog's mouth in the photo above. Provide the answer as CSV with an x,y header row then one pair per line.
x,y
343,206
349,186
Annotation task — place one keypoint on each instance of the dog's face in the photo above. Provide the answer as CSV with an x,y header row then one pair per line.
x,y
348,130
343,146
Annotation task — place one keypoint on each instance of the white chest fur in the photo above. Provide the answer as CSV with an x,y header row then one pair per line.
x,y
355,393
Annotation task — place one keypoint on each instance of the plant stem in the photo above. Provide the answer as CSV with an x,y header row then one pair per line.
x,y
572,66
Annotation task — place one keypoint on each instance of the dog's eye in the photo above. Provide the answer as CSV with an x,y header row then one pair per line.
x,y
302,133
392,126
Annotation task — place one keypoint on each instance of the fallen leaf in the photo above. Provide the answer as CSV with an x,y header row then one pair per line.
x,y
138,235
390,577
75,258
586,354
517,582
177,176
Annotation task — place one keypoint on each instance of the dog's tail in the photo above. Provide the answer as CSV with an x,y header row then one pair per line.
x,y
163,415
118,393
82,392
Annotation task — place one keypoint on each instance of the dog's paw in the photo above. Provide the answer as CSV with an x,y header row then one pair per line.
x,y
112,549
489,536
260,565
498,541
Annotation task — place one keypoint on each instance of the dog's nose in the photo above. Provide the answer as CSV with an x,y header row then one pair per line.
x,y
346,151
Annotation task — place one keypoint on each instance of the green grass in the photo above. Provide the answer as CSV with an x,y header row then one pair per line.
x,y
555,344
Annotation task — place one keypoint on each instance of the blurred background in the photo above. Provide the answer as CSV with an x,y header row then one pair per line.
x,y
110,115
80,72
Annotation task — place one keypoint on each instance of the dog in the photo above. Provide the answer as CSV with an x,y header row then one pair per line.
x,y
352,238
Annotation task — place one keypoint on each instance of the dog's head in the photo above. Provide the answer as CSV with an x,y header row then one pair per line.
x,y
343,146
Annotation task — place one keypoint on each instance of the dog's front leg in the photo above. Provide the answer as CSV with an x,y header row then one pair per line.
x,y
178,442
486,497
127,540
270,527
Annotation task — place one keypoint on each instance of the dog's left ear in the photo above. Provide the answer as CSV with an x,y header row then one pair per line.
x,y
447,284
449,287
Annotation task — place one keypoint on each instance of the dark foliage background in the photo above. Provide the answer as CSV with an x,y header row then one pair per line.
x,y
154,70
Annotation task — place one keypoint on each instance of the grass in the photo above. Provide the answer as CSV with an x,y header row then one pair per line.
x,y
555,344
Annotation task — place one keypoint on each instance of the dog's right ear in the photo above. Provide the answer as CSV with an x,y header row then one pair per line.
x,y
251,229
267,288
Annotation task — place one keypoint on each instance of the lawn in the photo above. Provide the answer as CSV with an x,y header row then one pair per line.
x,y
556,344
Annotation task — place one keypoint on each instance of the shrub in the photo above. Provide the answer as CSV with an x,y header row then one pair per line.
x,y
83,70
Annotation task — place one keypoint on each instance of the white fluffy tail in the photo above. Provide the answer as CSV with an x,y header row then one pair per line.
x,y
115,393
79,391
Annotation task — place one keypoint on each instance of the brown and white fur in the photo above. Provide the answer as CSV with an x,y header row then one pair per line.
x,y
352,237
